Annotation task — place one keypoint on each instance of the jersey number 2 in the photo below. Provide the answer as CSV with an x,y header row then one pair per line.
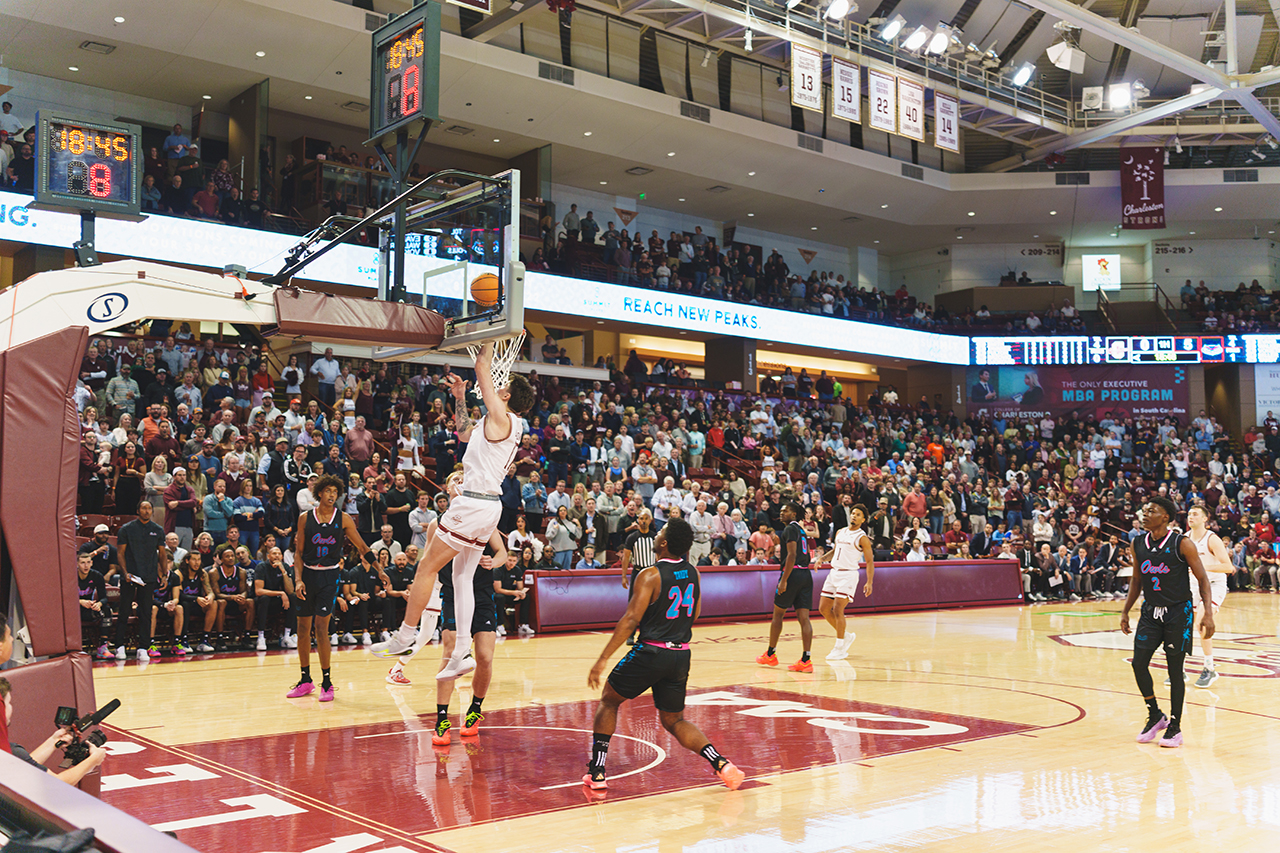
x,y
679,600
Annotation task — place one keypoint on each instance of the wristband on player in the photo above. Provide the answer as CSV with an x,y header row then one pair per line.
x,y
370,556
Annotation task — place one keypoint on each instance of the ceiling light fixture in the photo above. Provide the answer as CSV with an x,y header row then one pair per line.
x,y
749,214
706,59
671,153
306,97
891,29
1192,233
940,39
260,54
1217,210
118,19
1256,153
972,213
917,39
746,42
813,227
991,59
602,183
586,133
1023,75
73,67
837,10
497,140
1053,213
679,199
751,174
883,206
207,97
1121,95
1177,144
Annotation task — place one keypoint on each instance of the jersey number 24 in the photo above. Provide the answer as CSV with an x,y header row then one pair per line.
x,y
680,600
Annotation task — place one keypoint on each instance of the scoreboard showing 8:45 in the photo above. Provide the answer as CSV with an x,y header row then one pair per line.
x,y
405,77
88,165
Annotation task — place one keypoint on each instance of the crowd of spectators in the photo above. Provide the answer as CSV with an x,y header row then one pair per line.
x,y
697,265
1247,309
225,467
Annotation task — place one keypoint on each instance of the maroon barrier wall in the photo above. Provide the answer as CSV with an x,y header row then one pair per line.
x,y
566,601
38,421
38,691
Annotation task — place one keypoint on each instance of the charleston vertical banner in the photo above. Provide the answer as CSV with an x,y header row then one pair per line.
x,y
1030,392
1142,188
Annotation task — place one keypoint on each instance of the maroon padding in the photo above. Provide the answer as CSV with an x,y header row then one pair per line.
x,y
328,317
39,689
569,601
39,463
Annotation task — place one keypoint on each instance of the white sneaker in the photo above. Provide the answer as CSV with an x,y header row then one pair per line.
x,y
525,630
142,655
1074,597
365,639
204,648
262,643
121,654
455,667
348,639
392,645
284,642
333,639
502,631
293,641
838,651
384,636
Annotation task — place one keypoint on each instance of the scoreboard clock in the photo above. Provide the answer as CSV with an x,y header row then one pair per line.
x,y
87,165
405,79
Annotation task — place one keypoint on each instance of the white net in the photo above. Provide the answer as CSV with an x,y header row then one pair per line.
x,y
505,353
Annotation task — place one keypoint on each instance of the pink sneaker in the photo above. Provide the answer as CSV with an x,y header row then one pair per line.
x,y
326,693
302,688
731,776
1153,728
595,784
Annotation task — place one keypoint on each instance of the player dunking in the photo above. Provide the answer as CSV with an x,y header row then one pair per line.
x,y
1163,563
473,515
795,589
1216,560
665,602
317,573
853,547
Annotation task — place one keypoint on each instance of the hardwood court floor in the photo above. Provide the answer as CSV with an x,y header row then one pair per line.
x,y
989,729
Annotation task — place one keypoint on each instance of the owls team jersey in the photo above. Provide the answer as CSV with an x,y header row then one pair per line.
x,y
848,555
668,621
323,546
1166,576
229,585
793,532
485,463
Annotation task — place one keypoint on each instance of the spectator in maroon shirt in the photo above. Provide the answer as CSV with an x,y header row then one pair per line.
x,y
954,538
359,444
204,204
164,444
96,370
915,505
92,481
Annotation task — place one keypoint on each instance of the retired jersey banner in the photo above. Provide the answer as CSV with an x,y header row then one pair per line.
x,y
1030,392
1142,188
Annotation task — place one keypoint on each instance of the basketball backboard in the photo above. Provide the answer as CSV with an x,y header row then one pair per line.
x,y
471,226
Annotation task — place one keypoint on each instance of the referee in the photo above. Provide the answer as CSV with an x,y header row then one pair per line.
x,y
637,555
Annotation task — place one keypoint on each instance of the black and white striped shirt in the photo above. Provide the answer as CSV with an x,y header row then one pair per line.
x,y
641,547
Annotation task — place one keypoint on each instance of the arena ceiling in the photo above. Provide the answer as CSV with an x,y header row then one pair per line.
x,y
212,51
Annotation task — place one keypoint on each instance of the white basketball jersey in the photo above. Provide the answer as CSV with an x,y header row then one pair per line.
x,y
1206,556
848,555
485,464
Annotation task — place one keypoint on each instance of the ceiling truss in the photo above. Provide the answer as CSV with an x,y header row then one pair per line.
x,y
1226,111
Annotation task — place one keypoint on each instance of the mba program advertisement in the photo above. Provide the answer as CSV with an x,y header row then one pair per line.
x,y
1155,391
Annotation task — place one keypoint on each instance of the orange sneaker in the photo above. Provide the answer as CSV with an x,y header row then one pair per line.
x,y
767,659
441,737
471,724
801,666
731,776
594,781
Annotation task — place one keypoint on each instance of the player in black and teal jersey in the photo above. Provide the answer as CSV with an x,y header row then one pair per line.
x,y
665,601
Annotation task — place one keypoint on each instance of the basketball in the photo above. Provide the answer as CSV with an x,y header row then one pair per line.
x,y
485,289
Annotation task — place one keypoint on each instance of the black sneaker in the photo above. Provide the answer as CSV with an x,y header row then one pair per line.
x,y
1156,722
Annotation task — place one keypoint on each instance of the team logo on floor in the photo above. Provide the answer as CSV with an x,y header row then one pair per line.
x,y
335,786
1236,655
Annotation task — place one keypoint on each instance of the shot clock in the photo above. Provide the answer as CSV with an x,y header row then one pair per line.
x,y
405,77
86,165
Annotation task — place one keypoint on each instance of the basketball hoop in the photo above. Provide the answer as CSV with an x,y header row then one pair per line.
x,y
505,353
